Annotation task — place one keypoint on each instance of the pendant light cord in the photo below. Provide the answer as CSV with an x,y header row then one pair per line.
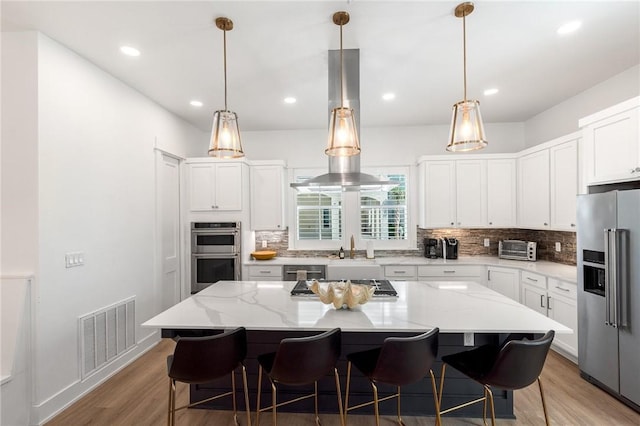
x,y
341,72
464,54
224,38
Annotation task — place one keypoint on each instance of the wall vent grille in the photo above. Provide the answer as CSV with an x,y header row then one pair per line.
x,y
105,335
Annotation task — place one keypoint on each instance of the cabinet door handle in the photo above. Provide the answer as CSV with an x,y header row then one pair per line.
x,y
563,289
573,225
549,302
546,224
490,223
452,223
542,300
489,275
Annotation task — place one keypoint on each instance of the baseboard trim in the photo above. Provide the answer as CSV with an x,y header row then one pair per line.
x,y
51,407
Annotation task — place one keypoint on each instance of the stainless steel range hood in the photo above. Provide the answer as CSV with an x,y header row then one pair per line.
x,y
344,172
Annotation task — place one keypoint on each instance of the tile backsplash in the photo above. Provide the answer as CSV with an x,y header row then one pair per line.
x,y
471,243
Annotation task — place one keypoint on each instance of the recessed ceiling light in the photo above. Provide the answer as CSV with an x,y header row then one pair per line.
x,y
290,100
389,96
569,27
491,91
129,51
196,103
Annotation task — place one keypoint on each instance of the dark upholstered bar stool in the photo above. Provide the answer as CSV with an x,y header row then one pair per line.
x,y
514,365
198,360
298,362
400,361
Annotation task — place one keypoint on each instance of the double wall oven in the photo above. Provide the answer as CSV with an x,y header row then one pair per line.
x,y
215,253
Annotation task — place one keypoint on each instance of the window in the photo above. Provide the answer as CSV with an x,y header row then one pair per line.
x,y
327,220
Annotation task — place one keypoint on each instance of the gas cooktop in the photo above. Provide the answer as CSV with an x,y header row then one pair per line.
x,y
383,287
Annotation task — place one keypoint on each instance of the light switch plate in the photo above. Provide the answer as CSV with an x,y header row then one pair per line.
x,y
74,259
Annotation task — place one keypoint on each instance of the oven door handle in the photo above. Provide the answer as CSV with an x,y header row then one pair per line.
x,y
215,255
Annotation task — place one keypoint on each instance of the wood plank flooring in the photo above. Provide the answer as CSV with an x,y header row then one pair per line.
x,y
138,396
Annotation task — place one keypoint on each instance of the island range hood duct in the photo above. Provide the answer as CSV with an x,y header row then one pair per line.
x,y
344,172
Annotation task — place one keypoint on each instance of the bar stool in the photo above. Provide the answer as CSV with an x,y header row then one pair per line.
x,y
514,365
298,362
399,361
199,360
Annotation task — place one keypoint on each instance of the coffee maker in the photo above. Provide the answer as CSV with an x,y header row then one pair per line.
x,y
450,248
432,248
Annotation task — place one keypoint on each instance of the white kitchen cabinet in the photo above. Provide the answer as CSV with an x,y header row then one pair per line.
x,y
451,273
533,190
534,292
265,272
439,194
215,186
611,140
471,193
401,272
564,184
501,193
267,196
562,307
505,281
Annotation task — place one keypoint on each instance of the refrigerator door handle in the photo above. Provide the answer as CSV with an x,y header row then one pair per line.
x,y
607,279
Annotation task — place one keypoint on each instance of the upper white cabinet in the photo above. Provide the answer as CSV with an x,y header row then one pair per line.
x,y
439,179
215,185
612,144
471,193
501,192
267,196
564,184
533,190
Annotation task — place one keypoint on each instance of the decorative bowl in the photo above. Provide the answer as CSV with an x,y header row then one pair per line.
x,y
343,294
263,254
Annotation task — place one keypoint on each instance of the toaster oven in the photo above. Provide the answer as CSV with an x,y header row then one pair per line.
x,y
517,250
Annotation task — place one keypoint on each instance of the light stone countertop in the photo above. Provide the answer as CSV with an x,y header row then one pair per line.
x,y
559,271
454,307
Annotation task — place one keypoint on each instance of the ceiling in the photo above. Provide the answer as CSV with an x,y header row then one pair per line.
x,y
279,49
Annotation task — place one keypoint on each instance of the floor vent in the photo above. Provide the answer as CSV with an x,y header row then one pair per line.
x,y
106,334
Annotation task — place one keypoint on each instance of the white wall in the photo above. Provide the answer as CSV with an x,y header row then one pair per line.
x,y
563,118
95,194
380,146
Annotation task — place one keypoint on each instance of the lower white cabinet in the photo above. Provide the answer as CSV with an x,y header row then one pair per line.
x,y
505,281
557,300
451,273
401,272
265,273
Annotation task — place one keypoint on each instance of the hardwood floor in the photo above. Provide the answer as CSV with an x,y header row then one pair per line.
x,y
138,396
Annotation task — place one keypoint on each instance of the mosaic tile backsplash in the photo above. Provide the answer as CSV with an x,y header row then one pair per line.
x,y
471,243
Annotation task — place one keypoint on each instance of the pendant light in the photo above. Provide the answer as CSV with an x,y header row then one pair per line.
x,y
225,134
467,130
343,134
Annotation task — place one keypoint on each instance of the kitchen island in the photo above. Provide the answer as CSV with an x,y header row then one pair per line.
x,y
464,311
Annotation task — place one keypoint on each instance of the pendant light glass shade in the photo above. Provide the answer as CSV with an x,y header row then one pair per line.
x,y
467,130
225,134
343,133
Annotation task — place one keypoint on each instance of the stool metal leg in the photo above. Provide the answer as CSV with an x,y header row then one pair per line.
x,y
274,413
246,394
342,413
169,403
375,403
435,398
493,412
398,403
233,398
544,406
346,396
315,401
259,392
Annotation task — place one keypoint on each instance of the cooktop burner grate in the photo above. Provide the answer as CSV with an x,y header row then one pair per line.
x,y
383,287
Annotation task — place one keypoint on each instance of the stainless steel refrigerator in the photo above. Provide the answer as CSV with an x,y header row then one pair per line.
x,y
608,253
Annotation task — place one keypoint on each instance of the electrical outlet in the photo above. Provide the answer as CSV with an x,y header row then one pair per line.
x,y
487,242
558,247
468,339
264,243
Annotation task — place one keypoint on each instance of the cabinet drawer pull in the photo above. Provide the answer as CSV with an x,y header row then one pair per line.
x,y
532,279
399,272
563,289
449,272
265,272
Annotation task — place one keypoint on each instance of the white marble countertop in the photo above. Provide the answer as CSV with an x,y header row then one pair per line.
x,y
454,307
550,269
